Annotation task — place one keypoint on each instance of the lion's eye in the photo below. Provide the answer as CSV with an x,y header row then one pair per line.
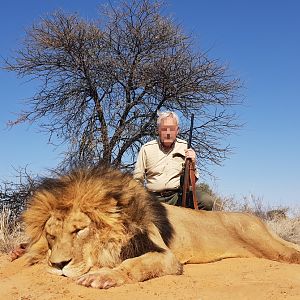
x,y
50,237
77,230
80,232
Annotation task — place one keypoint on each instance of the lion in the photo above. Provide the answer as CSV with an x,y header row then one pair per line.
x,y
102,228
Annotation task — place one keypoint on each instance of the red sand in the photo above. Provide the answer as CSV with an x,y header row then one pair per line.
x,y
227,279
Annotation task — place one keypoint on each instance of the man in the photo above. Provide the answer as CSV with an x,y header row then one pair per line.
x,y
160,163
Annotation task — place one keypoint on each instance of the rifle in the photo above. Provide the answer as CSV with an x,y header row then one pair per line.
x,y
189,179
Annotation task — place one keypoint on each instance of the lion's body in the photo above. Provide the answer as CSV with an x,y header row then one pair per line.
x,y
102,225
203,236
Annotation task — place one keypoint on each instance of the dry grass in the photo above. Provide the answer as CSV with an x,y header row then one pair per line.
x,y
288,229
11,232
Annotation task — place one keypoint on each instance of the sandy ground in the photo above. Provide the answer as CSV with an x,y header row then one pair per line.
x,y
227,279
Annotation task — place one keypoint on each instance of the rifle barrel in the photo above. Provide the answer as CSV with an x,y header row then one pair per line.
x,y
191,132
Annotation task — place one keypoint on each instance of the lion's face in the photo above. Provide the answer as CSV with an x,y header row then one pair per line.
x,y
70,250
90,219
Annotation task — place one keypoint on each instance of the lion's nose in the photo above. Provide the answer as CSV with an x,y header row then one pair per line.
x,y
60,265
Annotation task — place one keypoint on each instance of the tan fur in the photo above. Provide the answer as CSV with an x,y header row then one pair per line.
x,y
203,236
103,226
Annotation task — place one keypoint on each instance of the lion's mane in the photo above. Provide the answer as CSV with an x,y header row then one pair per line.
x,y
113,201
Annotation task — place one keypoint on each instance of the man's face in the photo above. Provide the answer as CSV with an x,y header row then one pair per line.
x,y
167,131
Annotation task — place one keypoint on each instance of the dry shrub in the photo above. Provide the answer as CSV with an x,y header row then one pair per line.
x,y
287,228
11,231
15,193
225,204
253,205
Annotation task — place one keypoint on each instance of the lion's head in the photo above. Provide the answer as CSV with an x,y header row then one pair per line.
x,y
91,218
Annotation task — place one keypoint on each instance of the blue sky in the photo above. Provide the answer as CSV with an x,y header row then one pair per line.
x,y
260,42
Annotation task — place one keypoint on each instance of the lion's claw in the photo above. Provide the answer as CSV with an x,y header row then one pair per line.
x,y
104,279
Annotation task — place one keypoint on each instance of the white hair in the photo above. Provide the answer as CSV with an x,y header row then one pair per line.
x,y
164,114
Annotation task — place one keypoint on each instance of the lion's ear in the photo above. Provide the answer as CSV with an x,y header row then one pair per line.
x,y
37,251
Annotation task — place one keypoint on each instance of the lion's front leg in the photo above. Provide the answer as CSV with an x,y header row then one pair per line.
x,y
146,266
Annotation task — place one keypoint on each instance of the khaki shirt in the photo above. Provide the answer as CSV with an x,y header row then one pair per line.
x,y
160,170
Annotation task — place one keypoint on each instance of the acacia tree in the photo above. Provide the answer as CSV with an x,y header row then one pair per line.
x,y
102,83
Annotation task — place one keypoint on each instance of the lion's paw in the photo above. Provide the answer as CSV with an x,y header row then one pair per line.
x,y
105,278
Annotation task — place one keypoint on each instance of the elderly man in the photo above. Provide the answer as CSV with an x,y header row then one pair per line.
x,y
160,163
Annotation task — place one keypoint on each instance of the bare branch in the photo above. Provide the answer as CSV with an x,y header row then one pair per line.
x,y
102,85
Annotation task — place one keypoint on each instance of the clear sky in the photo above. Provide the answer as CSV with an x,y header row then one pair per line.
x,y
259,40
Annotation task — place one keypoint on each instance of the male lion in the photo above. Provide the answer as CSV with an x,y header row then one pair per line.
x,y
103,228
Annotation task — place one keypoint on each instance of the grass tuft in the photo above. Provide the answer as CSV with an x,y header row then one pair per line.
x,y
11,231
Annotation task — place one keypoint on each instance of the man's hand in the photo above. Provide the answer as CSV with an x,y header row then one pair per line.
x,y
190,153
